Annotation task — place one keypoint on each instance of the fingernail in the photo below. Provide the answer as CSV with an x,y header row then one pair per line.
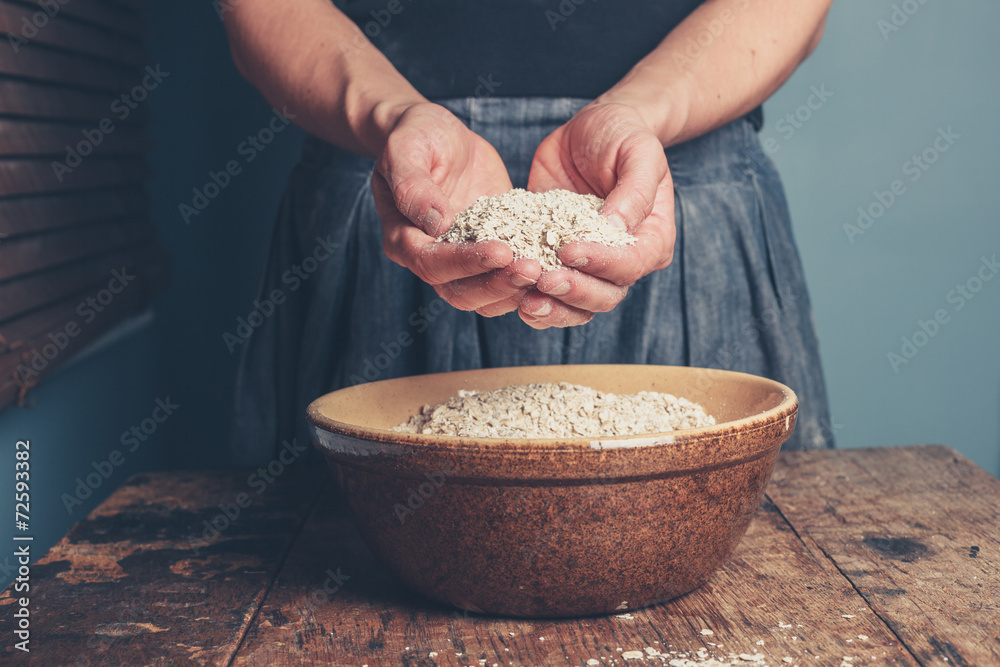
x,y
542,310
432,220
517,280
559,290
577,263
616,221
490,263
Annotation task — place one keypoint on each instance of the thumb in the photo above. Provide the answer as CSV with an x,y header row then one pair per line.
x,y
641,167
417,196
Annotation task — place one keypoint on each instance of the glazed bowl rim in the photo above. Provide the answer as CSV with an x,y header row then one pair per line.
x,y
786,408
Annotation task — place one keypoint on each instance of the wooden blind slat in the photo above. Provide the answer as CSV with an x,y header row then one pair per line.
x,y
43,100
16,334
74,216
102,14
68,34
25,137
34,253
38,62
26,215
22,177
24,295
90,326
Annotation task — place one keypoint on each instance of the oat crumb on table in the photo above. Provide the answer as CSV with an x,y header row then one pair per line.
x,y
555,410
536,224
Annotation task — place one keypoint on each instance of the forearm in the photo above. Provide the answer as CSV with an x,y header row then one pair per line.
x,y
308,56
722,61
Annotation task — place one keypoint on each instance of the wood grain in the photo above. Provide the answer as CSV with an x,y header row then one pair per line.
x,y
105,14
125,586
37,176
857,557
916,531
37,99
28,351
775,598
32,137
28,293
34,61
64,32
36,253
34,214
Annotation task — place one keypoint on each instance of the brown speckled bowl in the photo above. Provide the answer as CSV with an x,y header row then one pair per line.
x,y
555,527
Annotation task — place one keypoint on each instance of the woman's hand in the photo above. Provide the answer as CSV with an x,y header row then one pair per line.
x,y
608,150
431,167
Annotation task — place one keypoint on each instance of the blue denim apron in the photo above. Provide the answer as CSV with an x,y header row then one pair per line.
x,y
734,296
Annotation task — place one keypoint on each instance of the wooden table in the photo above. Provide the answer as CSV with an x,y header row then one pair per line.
x,y
856,557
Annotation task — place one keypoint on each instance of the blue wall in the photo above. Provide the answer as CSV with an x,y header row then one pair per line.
x,y
892,92
202,115
77,420
871,287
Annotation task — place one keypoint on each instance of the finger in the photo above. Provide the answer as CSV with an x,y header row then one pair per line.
x,y
438,263
623,265
581,290
433,262
501,307
541,311
405,167
552,169
641,166
489,288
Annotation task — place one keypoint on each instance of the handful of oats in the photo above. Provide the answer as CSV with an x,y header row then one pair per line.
x,y
536,224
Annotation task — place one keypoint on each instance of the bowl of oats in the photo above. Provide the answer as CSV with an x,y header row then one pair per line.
x,y
555,491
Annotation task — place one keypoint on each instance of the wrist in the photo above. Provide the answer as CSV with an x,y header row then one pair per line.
x,y
664,111
373,113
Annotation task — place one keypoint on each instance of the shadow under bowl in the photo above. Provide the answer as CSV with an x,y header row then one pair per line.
x,y
555,527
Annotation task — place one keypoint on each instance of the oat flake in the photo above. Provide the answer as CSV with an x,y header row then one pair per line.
x,y
536,224
550,410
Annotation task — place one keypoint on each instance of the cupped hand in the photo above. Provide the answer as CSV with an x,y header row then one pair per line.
x,y
433,166
606,149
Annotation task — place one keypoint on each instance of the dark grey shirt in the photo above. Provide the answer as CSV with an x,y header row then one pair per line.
x,y
526,48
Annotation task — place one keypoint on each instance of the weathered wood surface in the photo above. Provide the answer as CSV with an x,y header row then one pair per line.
x,y
831,572
773,591
138,582
916,530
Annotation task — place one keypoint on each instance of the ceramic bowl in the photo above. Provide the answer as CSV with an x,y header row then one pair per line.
x,y
555,527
